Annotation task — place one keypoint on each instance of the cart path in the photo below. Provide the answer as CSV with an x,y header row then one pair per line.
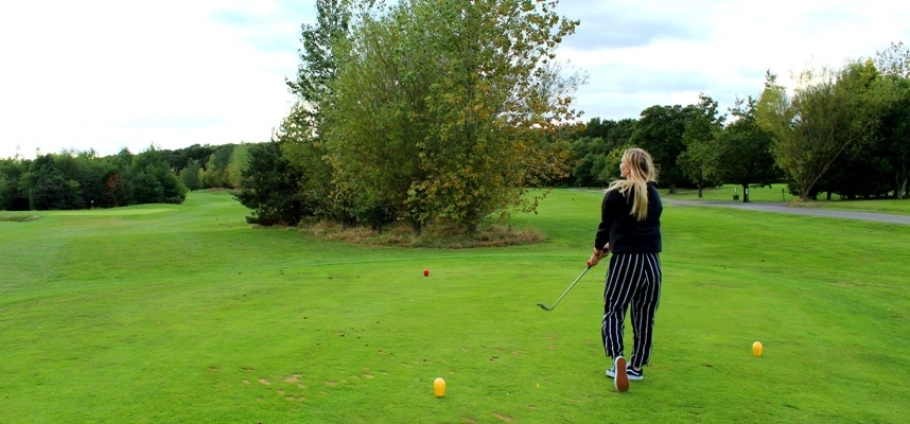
x,y
782,207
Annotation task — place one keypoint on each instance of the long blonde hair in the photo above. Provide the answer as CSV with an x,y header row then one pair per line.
x,y
641,171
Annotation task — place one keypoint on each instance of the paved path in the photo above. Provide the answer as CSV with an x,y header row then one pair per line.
x,y
781,207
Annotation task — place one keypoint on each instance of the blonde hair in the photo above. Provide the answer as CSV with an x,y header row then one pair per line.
x,y
641,171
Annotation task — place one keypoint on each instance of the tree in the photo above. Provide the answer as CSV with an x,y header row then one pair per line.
x,y
744,150
301,135
270,187
239,161
895,132
50,187
699,160
894,63
660,131
215,174
12,195
593,145
190,175
152,180
811,128
317,68
442,107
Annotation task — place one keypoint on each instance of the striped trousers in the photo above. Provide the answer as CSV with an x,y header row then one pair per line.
x,y
633,278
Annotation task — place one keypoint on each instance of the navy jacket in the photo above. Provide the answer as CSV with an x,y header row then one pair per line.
x,y
619,227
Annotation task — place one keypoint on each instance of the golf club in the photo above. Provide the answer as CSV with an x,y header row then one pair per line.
x,y
544,307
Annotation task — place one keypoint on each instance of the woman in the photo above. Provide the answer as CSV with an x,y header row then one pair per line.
x,y
630,229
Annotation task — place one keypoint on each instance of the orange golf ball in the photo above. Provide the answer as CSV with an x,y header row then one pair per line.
x,y
756,348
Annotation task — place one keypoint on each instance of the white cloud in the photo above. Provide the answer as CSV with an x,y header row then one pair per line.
x,y
107,74
113,74
719,47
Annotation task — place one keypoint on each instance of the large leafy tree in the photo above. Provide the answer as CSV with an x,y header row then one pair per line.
x,y
301,137
698,161
811,128
660,131
153,181
743,154
190,175
215,174
317,68
592,150
270,186
13,193
894,64
895,132
442,108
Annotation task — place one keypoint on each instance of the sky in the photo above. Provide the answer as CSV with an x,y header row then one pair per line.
x,y
113,74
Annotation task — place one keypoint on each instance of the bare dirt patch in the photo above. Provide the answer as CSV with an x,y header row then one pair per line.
x,y
503,417
434,236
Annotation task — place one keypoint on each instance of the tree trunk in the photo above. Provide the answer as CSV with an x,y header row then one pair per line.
x,y
699,192
900,186
745,193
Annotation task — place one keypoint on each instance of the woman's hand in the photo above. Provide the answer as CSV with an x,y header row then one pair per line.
x,y
597,255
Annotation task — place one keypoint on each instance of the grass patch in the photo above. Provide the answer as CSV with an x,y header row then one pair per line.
x,y
773,194
193,316
725,193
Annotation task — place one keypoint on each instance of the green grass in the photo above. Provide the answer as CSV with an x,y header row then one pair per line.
x,y
773,194
725,192
143,315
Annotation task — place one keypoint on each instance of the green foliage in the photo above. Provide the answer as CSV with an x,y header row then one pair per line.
x,y
894,130
180,159
593,152
146,187
270,187
50,188
743,154
153,181
13,194
699,160
215,174
317,68
190,176
660,131
80,180
810,129
240,157
442,109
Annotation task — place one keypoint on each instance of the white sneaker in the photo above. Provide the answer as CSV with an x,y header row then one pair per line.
x,y
631,372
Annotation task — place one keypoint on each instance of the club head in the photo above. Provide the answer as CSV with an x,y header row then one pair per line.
x,y
544,307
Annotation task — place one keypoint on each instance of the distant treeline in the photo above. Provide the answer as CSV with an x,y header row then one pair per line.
x,y
80,180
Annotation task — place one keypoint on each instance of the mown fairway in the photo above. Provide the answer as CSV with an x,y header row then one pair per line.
x,y
186,314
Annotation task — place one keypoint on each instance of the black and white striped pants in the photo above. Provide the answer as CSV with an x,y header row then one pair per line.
x,y
633,278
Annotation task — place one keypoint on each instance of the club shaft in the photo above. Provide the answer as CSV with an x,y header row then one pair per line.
x,y
570,288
